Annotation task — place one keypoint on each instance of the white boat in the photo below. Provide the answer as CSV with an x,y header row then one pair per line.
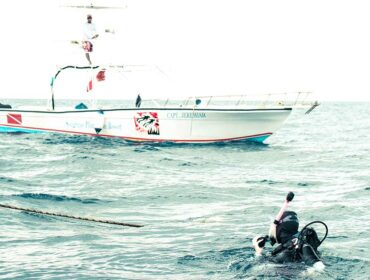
x,y
194,120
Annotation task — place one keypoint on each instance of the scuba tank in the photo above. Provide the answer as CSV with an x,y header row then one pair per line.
x,y
308,242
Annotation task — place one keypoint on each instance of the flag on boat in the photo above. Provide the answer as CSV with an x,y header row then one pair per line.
x,y
101,75
14,118
89,86
99,78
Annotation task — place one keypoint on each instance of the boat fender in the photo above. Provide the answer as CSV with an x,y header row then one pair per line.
x,y
138,101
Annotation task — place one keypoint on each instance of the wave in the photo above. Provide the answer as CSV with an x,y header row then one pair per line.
x,y
59,198
243,264
7,180
264,181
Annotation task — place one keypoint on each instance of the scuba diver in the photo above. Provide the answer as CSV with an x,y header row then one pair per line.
x,y
293,245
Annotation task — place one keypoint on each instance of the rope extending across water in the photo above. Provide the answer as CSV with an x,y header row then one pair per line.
x,y
69,216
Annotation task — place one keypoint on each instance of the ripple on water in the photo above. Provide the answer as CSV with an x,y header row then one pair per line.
x,y
58,198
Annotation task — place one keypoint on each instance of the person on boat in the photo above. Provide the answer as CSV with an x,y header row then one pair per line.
x,y
293,246
89,34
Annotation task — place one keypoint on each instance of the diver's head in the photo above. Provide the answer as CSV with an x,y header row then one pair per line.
x,y
287,227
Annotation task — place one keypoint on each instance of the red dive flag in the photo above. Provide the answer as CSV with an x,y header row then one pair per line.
x,y
89,86
14,118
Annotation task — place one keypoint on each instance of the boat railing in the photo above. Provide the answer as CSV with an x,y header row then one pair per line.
x,y
269,100
294,99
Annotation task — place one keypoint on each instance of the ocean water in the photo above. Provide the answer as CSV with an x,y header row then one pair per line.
x,y
200,205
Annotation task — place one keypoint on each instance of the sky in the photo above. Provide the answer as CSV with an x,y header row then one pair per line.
x,y
190,47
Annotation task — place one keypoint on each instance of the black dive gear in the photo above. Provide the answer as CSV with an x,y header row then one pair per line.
x,y
308,242
296,246
309,235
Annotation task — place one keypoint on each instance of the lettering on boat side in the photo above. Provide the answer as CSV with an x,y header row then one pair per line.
x,y
110,125
147,122
91,125
186,115
79,124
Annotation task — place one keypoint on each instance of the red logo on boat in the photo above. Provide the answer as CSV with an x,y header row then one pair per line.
x,y
14,118
147,122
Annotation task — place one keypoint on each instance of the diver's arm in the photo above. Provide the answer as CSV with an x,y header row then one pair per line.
x,y
272,232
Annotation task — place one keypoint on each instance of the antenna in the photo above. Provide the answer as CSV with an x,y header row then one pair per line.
x,y
93,6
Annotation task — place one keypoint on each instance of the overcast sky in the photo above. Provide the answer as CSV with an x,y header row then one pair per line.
x,y
201,47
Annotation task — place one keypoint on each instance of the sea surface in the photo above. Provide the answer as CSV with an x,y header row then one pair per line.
x,y
200,205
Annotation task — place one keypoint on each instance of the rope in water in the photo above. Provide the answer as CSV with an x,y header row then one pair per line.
x,y
69,216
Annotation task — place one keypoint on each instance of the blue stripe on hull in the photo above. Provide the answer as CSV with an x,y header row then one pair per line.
x,y
8,129
259,139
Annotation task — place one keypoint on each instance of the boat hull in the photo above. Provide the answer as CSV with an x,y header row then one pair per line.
x,y
151,124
